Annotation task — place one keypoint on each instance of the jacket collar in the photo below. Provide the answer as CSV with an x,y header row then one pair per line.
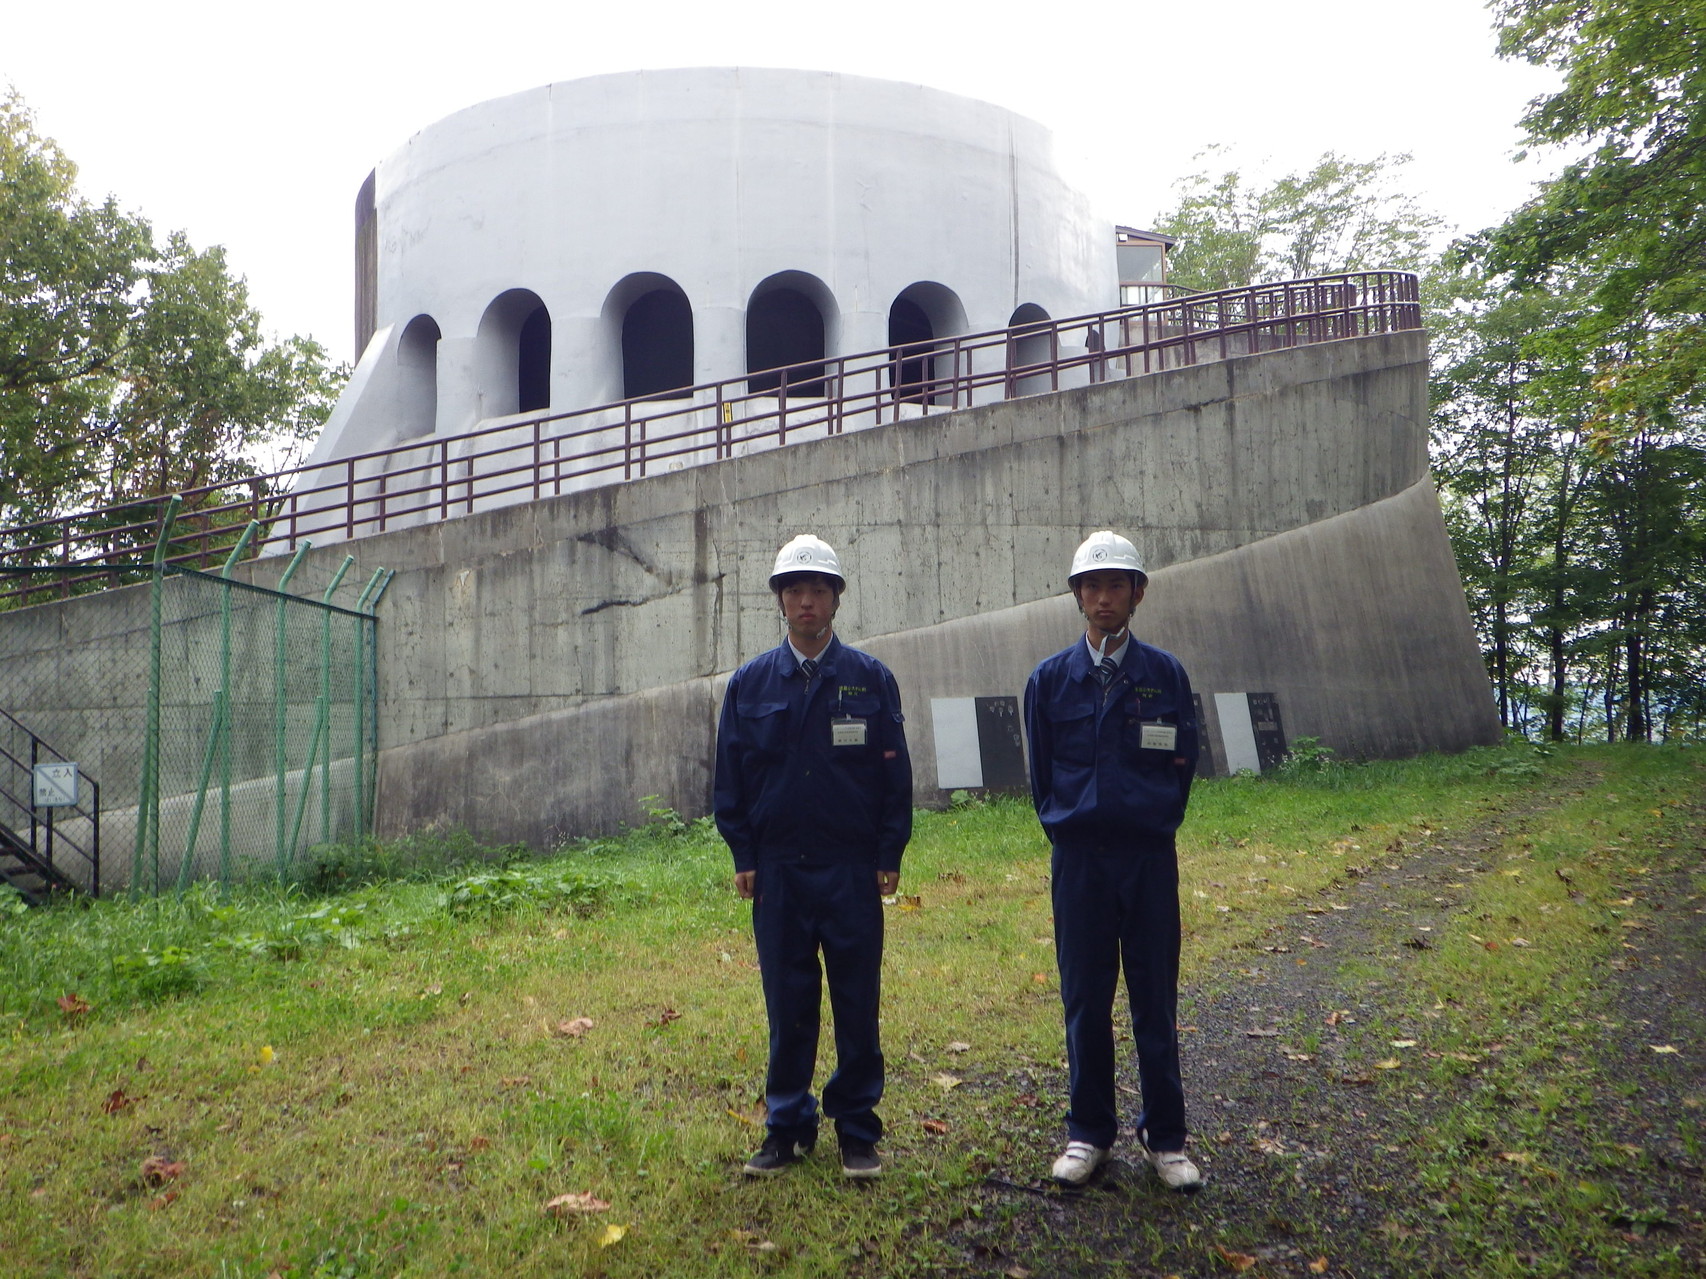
x,y
789,665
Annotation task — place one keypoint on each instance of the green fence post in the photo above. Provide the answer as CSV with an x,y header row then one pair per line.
x,y
187,862
322,720
219,734
279,706
366,688
225,683
148,793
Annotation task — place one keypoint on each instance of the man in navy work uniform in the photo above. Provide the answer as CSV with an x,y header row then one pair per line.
x,y
1113,741
813,795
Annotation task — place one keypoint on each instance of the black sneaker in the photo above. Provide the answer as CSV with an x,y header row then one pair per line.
x,y
859,1159
776,1154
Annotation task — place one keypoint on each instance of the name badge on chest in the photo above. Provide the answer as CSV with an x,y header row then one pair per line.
x,y
1158,737
845,730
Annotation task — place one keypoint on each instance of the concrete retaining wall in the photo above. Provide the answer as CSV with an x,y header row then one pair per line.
x,y
1357,624
534,609
542,667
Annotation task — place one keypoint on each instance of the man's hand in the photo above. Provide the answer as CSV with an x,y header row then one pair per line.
x,y
743,883
887,882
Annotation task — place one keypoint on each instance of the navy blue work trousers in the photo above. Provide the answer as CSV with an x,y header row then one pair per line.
x,y
799,912
1114,908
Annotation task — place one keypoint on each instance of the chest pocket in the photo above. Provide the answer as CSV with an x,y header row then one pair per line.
x,y
1073,729
764,726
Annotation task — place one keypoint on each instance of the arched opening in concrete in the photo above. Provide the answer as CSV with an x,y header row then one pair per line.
x,y
919,318
533,362
417,389
1030,342
656,336
788,320
513,355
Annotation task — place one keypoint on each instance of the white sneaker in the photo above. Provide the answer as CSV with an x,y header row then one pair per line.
x,y
1175,1169
1081,1159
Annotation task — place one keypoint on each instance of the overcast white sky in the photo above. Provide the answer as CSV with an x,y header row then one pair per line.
x,y
252,125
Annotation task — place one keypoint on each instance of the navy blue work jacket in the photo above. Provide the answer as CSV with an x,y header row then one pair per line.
x,y
784,791
1093,782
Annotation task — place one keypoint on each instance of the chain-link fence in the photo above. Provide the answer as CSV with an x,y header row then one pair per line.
x,y
231,728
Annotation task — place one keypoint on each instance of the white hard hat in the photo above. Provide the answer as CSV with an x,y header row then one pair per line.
x,y
807,554
1105,550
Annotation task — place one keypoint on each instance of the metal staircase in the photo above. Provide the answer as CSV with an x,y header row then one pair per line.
x,y
46,850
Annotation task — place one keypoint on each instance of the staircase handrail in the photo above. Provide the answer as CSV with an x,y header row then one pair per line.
x,y
45,841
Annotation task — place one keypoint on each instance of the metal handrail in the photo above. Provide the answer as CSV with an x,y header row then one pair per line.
x,y
46,840
537,455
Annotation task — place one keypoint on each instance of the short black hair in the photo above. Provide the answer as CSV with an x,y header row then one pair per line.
x,y
782,581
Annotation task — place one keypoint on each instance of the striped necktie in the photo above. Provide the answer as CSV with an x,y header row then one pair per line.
x,y
809,666
1107,670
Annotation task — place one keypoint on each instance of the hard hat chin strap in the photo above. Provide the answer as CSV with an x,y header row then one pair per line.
x,y
1108,637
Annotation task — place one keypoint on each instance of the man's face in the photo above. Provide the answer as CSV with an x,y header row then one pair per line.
x,y
1107,598
808,604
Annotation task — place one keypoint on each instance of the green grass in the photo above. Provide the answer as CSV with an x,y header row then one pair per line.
x,y
388,1080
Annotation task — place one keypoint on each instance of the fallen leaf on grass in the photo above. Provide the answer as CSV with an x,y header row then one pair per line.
x,y
945,1081
162,1201
1289,1055
479,1143
573,1029
611,1234
1318,1266
936,1127
755,1117
1016,1272
1490,945
582,1201
1664,1048
1403,1043
73,1005
958,1047
1391,1063
1516,1157
1025,1099
908,901
1520,941
516,1081
666,1016
1239,1261
118,1101
1041,979
157,1170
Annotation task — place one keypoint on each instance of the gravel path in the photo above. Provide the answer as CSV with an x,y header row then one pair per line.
x,y
1308,1162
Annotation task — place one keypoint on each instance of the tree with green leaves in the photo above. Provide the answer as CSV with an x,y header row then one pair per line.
x,y
128,369
69,273
1623,230
1632,208
1342,215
